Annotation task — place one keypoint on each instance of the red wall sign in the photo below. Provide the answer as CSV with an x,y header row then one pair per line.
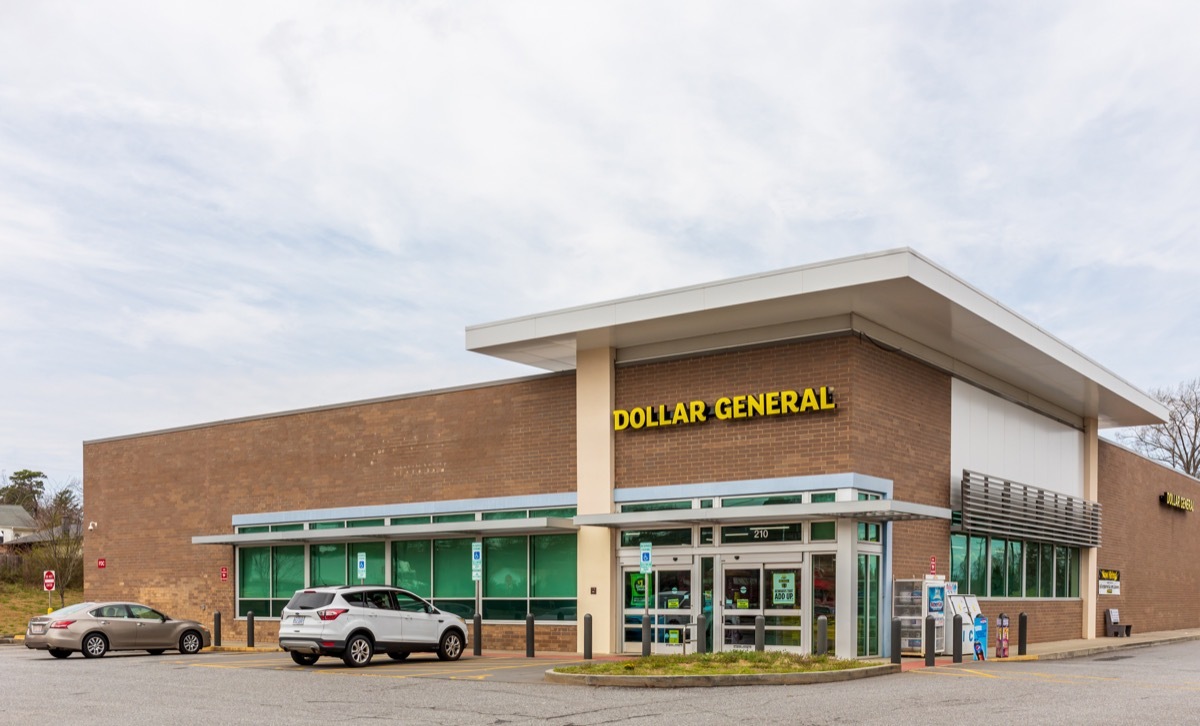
x,y
933,565
224,574
101,563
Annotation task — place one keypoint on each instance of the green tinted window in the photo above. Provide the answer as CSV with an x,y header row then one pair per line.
x,y
365,523
762,533
327,564
824,531
818,497
999,570
398,521
657,537
1073,575
762,501
288,570
566,512
412,566
868,532
1032,558
505,568
1015,567
958,560
1046,574
553,565
440,518
254,572
656,506
979,566
452,568
253,530
518,514
286,527
375,562
327,525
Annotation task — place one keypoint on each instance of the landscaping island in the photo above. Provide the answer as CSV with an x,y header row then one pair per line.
x,y
731,668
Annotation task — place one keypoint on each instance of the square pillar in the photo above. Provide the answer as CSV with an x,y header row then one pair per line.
x,y
595,396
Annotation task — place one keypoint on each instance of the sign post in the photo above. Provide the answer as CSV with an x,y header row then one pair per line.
x,y
362,568
48,584
477,570
645,567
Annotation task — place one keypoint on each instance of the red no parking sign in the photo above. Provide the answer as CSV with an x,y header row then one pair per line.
x,y
48,580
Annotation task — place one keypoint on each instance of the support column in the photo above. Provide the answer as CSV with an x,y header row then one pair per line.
x,y
595,396
1088,585
846,640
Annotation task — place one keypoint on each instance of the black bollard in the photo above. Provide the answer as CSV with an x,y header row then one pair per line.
x,y
896,641
587,636
701,634
217,628
957,635
529,635
478,634
930,639
645,635
250,629
760,633
1022,633
822,634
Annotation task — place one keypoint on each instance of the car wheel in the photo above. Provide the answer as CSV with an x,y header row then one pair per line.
x,y
156,651
398,656
358,652
190,643
60,653
95,645
305,659
451,646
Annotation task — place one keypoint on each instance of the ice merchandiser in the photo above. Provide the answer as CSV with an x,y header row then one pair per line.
x,y
912,600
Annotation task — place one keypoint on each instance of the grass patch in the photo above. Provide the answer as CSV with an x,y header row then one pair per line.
x,y
736,662
19,603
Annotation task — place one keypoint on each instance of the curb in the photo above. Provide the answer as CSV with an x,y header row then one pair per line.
x,y
1097,649
243,649
754,679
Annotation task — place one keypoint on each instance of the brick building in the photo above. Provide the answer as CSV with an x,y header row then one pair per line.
x,y
790,445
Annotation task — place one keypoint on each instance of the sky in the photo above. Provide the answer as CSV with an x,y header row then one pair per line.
x,y
222,209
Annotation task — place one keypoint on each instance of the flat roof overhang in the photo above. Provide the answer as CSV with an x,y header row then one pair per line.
x,y
896,297
496,527
875,510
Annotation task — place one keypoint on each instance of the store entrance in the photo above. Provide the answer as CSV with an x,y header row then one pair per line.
x,y
673,598
768,589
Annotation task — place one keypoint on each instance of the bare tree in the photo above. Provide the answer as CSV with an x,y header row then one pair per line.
x,y
59,544
1175,443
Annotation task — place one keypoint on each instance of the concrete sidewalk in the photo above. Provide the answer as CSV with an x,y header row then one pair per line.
x,y
1062,649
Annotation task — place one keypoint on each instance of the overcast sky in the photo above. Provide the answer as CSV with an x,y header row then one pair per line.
x,y
220,209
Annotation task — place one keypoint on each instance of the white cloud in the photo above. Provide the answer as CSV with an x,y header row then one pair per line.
x,y
219,209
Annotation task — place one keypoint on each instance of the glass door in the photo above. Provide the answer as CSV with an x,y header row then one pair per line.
x,y
770,590
668,598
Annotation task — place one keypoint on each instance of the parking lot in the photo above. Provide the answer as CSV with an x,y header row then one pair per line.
x,y
1144,685
495,668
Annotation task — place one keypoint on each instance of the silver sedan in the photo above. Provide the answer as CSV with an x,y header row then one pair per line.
x,y
94,628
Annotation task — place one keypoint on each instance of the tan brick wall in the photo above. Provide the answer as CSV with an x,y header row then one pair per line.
x,y
1156,548
151,494
546,638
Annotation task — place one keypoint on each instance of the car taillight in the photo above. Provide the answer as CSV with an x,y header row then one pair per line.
x,y
331,614
61,624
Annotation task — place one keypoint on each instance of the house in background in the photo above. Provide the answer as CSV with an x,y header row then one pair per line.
x,y
14,522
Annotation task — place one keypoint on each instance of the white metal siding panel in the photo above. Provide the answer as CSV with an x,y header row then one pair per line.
x,y
996,437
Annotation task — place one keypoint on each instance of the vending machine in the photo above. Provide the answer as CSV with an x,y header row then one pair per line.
x,y
912,601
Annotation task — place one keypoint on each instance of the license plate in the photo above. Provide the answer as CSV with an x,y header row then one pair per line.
x,y
298,620
37,629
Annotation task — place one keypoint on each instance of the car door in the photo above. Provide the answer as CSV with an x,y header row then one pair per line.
x,y
388,625
154,631
117,626
420,625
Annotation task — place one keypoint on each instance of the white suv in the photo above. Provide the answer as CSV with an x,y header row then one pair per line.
x,y
357,621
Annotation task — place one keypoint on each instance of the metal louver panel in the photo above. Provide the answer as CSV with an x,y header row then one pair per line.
x,y
1008,509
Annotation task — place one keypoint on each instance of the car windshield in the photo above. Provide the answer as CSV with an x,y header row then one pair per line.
x,y
308,600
